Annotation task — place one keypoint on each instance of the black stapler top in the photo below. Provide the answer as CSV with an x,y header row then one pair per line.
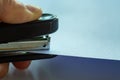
x,y
47,24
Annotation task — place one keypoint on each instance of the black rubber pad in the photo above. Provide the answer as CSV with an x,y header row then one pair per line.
x,y
4,58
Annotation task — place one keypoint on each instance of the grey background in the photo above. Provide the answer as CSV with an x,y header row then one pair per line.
x,y
88,28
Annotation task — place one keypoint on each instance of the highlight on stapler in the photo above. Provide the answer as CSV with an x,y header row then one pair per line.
x,y
36,43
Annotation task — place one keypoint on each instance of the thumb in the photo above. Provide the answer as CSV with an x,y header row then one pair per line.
x,y
16,13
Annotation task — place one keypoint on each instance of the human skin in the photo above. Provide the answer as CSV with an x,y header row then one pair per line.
x,y
14,12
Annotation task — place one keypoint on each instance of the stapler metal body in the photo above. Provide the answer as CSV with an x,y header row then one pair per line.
x,y
18,39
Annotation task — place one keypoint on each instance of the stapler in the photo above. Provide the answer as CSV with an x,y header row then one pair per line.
x,y
17,40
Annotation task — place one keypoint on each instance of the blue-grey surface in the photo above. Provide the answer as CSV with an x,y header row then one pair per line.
x,y
68,68
88,28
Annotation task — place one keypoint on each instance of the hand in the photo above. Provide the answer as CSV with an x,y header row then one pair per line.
x,y
14,12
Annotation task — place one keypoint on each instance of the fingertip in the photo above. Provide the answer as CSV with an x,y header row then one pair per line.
x,y
22,65
3,69
20,13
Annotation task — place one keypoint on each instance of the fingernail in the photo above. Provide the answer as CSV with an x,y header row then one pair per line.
x,y
32,8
